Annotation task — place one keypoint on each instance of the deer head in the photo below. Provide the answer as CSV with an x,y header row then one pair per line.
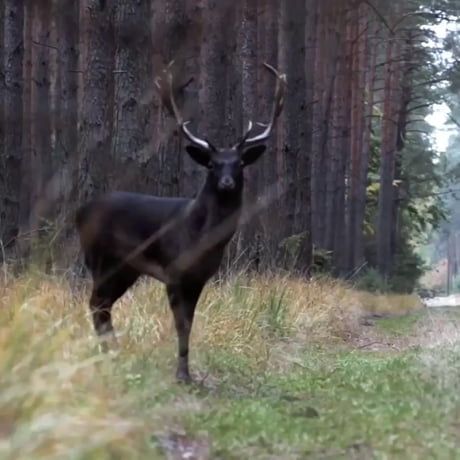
x,y
225,165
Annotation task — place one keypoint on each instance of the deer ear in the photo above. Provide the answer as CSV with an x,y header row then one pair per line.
x,y
200,156
252,154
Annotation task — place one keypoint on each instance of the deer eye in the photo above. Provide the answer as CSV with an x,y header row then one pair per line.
x,y
210,165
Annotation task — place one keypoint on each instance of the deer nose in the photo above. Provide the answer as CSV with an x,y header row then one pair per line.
x,y
226,183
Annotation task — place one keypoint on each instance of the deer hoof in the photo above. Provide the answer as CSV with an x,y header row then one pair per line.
x,y
108,343
183,377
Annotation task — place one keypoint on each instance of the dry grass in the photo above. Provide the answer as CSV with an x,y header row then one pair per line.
x,y
59,398
389,304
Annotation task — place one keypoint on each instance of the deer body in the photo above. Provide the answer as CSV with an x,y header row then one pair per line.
x,y
163,237
178,241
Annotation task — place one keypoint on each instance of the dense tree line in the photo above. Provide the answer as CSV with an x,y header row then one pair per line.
x,y
340,186
442,250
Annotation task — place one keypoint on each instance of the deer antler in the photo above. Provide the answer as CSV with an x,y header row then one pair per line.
x,y
241,142
164,84
281,83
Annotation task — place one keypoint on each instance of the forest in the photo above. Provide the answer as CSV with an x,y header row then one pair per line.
x,y
350,171
316,337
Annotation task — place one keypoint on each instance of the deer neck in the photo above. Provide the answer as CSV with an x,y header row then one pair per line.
x,y
211,209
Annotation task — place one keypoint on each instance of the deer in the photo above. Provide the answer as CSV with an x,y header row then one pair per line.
x,y
177,241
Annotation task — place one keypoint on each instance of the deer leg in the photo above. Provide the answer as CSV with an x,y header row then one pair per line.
x,y
183,302
101,311
102,299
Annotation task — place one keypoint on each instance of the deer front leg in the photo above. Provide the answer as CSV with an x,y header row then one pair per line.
x,y
183,300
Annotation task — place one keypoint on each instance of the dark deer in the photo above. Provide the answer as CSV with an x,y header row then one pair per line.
x,y
178,241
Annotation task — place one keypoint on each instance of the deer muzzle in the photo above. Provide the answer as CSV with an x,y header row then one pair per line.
x,y
226,184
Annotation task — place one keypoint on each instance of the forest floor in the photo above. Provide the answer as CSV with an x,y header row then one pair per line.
x,y
283,370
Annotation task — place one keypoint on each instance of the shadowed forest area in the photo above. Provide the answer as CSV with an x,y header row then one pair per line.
x,y
351,173
312,340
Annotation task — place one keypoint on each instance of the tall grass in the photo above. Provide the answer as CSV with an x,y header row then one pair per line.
x,y
60,398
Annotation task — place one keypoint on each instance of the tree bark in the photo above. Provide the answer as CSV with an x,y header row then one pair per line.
x,y
43,188
387,165
325,166
249,66
404,94
68,27
370,55
2,85
355,153
295,138
273,180
132,81
97,104
304,218
189,51
11,155
170,36
215,61
344,106
320,124
360,131
27,151
334,176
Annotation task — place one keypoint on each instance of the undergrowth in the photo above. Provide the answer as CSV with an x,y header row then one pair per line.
x,y
60,398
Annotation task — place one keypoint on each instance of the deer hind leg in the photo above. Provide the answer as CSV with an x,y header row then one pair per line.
x,y
183,300
101,312
105,293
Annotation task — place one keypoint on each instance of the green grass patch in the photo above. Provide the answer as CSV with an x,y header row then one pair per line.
x,y
335,404
401,325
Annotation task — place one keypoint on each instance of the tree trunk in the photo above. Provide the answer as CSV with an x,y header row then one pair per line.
x,y
404,95
303,218
11,156
331,227
344,106
295,138
273,180
2,89
387,165
96,122
369,62
334,175
355,153
320,130
42,189
325,166
215,61
170,34
133,79
68,15
27,170
189,51
249,65
359,156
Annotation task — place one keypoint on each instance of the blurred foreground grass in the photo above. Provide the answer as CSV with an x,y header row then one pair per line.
x,y
277,377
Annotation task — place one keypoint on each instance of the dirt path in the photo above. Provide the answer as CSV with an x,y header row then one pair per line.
x,y
426,329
